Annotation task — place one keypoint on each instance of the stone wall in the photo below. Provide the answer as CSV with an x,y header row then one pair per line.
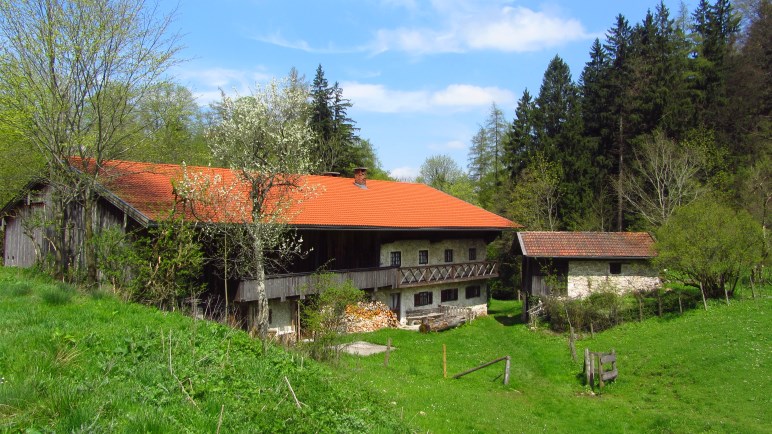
x,y
587,276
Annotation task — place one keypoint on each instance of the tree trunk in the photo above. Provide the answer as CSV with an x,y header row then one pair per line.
x,y
89,252
258,316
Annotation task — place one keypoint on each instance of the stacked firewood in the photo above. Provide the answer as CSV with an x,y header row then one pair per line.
x,y
369,316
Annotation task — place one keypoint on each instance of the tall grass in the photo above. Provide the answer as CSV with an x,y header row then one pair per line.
x,y
74,363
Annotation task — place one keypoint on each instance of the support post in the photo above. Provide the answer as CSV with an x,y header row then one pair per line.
x,y
506,370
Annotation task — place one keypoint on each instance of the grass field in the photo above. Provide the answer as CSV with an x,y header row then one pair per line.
x,y
73,362
89,363
697,372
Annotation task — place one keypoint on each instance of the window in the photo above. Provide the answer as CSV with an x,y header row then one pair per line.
x,y
472,291
449,295
448,255
423,298
423,257
472,254
270,316
396,259
615,268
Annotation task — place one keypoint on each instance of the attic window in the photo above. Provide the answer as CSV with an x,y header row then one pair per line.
x,y
615,268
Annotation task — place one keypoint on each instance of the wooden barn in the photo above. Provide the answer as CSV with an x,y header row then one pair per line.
x,y
409,245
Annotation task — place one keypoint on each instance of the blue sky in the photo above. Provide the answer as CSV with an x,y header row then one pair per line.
x,y
421,74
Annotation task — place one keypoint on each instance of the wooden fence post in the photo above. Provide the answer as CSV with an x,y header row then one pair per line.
x,y
444,362
388,351
506,370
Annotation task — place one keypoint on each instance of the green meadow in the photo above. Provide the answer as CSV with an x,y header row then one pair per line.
x,y
86,362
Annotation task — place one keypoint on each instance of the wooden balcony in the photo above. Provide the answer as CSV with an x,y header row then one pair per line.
x,y
447,273
282,286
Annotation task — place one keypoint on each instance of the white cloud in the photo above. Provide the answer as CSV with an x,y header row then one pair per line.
x,y
404,173
378,98
452,145
467,25
207,83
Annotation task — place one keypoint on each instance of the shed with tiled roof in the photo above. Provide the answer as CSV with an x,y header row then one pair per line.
x,y
578,263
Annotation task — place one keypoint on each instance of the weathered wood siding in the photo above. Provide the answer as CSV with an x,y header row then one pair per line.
x,y
25,250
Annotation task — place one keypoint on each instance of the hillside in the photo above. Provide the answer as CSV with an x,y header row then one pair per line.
x,y
72,362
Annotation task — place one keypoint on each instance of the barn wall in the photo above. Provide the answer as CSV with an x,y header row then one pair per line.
x,y
587,276
21,250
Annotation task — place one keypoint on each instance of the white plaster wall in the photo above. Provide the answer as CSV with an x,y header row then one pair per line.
x,y
281,317
410,248
585,277
479,305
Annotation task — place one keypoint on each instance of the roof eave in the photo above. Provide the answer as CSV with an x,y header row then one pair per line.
x,y
403,229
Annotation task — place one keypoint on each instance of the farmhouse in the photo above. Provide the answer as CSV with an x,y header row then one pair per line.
x,y
577,263
408,245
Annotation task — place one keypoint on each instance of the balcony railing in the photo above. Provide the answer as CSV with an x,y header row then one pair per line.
x,y
449,273
282,286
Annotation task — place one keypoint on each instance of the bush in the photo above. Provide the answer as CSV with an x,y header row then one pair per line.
x,y
607,308
324,314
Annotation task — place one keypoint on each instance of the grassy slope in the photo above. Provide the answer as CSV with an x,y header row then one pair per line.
x,y
703,371
70,362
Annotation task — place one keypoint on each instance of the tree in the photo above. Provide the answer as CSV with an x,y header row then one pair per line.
x,y
74,71
710,243
172,127
519,142
336,138
266,140
535,195
440,172
662,178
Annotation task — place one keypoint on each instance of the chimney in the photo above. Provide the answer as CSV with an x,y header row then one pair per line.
x,y
360,177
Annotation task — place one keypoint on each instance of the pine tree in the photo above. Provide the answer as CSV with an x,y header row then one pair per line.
x,y
520,141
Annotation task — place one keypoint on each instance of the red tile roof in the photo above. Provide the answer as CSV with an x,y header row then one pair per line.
x,y
335,202
586,244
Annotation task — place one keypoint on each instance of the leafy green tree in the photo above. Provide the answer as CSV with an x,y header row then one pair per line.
x,y
166,265
535,196
172,127
440,172
711,244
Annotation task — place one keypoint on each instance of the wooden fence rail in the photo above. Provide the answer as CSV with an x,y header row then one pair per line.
x,y
485,365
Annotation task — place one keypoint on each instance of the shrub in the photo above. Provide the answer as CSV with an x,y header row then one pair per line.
x,y
606,308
